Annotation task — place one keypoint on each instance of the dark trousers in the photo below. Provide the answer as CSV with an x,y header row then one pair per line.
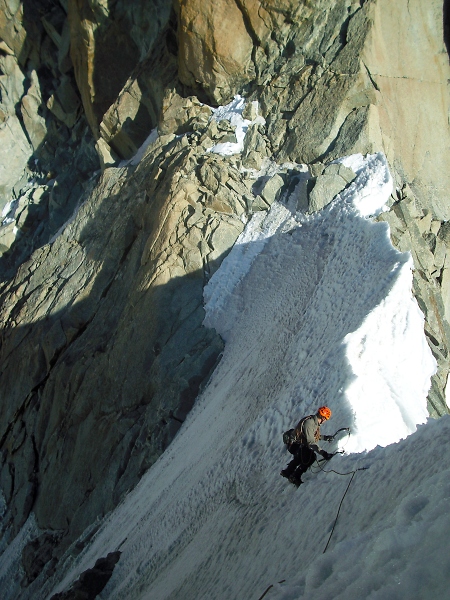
x,y
304,457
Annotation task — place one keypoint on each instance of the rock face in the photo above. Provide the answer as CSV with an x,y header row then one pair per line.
x,y
103,351
46,150
220,64
418,97
415,228
103,348
389,96
107,42
123,294
209,55
136,110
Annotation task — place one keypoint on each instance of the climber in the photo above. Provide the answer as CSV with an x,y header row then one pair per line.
x,y
302,443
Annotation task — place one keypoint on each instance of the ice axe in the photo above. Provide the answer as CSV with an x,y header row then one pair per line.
x,y
330,438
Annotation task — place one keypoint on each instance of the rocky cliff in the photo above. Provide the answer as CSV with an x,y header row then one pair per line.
x,y
105,252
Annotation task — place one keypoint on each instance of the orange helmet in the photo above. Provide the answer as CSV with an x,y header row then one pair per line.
x,y
324,412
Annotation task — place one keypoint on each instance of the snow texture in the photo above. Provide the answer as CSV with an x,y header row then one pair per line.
x,y
314,310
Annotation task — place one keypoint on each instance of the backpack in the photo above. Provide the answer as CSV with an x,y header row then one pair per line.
x,y
289,437
295,435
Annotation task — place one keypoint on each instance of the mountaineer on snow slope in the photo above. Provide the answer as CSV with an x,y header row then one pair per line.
x,y
302,443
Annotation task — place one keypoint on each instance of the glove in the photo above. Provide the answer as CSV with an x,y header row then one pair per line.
x,y
328,438
326,455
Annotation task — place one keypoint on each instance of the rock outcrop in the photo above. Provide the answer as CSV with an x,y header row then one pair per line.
x,y
108,40
103,348
46,151
118,210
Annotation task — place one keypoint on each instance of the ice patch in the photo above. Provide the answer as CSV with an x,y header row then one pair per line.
x,y
232,112
9,211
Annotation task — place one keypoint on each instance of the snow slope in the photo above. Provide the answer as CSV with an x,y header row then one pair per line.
x,y
314,310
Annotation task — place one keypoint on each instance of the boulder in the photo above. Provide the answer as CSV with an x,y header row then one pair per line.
x,y
272,189
11,83
255,148
12,30
209,57
107,157
179,115
7,237
64,103
333,180
92,581
37,554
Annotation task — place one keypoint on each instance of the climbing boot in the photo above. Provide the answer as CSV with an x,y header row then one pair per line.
x,y
296,480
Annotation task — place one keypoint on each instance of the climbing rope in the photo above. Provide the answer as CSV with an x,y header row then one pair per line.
x,y
269,588
340,504
318,463
352,473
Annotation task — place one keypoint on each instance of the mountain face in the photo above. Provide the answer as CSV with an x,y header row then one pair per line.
x,y
124,187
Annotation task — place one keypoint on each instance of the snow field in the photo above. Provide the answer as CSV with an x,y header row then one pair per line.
x,y
314,310
391,538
